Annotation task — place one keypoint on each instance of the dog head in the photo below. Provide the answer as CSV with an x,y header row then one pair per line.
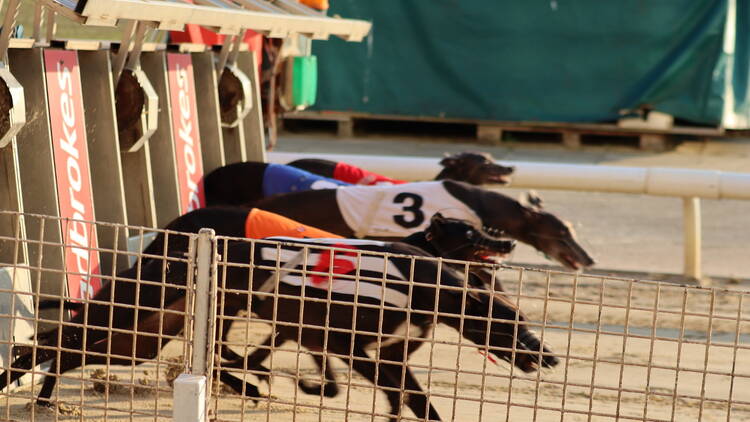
x,y
477,168
458,239
493,320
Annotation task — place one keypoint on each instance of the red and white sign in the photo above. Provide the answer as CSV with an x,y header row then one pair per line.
x,y
185,131
72,171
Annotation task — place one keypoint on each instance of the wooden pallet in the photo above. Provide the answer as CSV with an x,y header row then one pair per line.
x,y
491,132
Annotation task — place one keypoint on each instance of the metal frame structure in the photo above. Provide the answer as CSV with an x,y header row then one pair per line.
x,y
126,186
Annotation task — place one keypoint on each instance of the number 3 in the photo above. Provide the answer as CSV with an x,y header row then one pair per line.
x,y
413,209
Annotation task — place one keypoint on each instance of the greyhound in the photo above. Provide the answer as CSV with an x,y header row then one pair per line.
x,y
243,183
456,239
392,212
493,323
477,168
445,237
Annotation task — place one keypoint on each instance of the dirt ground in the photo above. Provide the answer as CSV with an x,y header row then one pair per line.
x,y
677,355
692,355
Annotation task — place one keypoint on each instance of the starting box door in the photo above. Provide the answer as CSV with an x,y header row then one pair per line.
x,y
185,131
75,200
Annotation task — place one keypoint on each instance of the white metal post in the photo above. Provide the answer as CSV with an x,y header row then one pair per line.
x,y
192,391
190,398
692,238
205,308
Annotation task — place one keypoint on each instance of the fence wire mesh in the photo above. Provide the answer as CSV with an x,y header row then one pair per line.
x,y
107,351
618,349
340,330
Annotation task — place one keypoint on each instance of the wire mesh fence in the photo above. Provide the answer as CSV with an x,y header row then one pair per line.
x,y
617,349
352,330
85,341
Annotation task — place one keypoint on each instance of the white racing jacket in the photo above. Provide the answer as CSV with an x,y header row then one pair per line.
x,y
346,264
398,210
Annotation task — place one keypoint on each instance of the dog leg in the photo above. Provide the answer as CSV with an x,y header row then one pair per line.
x,y
329,387
416,399
365,366
252,362
22,365
228,354
239,386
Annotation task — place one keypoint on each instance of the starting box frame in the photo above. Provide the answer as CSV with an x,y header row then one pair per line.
x,y
66,153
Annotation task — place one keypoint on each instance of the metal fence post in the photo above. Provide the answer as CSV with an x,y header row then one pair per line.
x,y
692,237
192,391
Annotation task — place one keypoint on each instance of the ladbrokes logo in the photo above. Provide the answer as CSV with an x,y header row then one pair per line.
x,y
187,140
72,171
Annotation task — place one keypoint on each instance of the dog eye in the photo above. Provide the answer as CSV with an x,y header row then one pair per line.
x,y
469,233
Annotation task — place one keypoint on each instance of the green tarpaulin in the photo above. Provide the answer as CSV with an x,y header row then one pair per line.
x,y
542,60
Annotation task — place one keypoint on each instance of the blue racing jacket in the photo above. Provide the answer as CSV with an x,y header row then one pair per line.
x,y
280,178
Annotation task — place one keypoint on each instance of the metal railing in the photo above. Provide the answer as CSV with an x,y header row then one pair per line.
x,y
617,349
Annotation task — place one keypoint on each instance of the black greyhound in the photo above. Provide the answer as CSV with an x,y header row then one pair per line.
x,y
402,210
508,338
445,237
477,168
243,183
449,238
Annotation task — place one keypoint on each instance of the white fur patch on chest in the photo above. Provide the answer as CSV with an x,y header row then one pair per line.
x,y
398,210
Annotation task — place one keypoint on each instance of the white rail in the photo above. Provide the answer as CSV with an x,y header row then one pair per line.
x,y
710,184
684,183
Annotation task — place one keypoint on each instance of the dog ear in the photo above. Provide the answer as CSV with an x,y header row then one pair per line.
x,y
448,160
486,155
435,228
534,200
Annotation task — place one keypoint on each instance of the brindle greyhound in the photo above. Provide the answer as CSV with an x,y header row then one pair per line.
x,y
497,212
243,183
477,168
507,339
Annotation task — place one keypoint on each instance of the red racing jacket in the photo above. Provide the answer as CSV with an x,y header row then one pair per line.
x,y
357,176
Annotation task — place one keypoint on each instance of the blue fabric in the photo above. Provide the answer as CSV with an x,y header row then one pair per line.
x,y
280,178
